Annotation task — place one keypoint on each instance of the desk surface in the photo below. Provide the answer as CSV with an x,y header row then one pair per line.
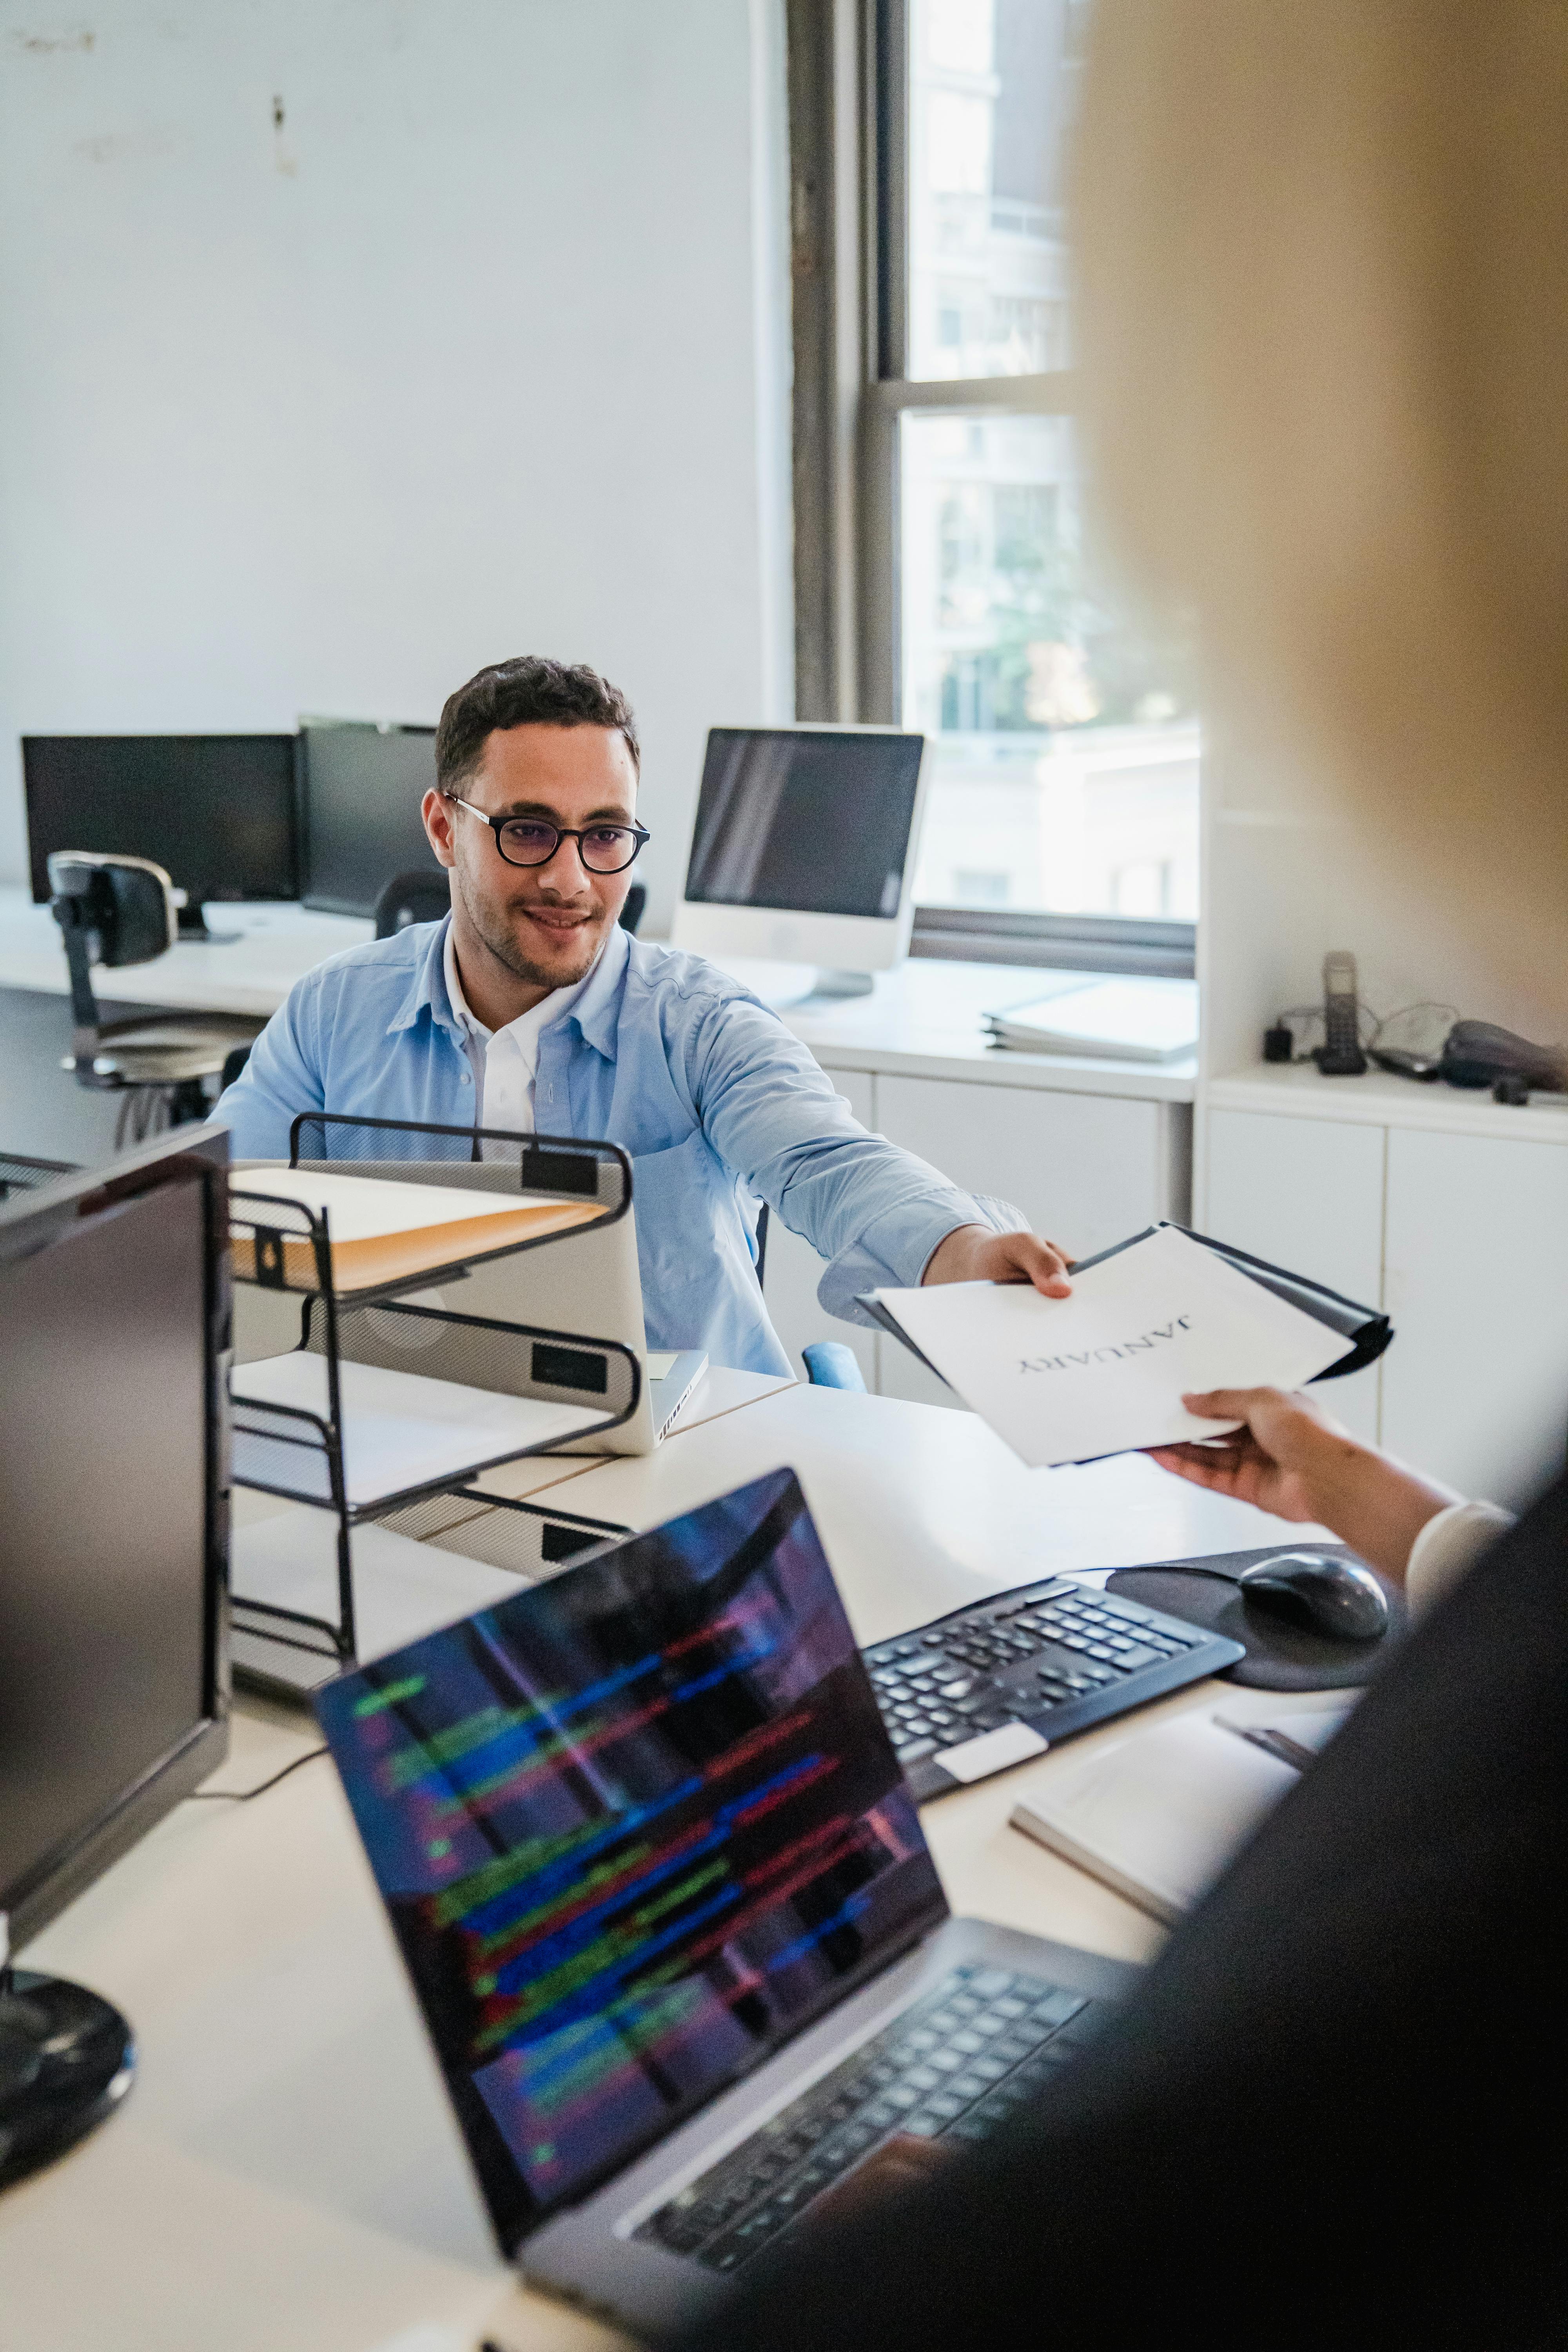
x,y
286,2172
251,974
924,1020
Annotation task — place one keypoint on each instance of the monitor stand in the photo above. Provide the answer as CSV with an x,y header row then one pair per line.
x,y
66,2062
193,927
843,983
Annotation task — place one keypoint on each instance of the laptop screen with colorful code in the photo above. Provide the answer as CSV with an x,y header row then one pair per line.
x,y
635,1828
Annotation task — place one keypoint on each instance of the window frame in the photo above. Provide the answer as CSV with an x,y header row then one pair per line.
x,y
849,131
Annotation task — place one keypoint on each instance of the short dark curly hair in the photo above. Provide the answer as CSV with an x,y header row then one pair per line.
x,y
527,690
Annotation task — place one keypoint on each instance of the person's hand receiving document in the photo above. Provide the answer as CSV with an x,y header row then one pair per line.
x,y
1286,1454
1105,1370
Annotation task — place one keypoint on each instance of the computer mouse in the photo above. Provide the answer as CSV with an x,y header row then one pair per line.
x,y
1337,1597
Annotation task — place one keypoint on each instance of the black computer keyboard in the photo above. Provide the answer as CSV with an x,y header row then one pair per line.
x,y
1058,1657
951,2067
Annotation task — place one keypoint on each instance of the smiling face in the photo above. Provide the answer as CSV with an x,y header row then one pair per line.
x,y
521,931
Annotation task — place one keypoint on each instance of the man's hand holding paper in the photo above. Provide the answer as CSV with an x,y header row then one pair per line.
x,y
1104,1370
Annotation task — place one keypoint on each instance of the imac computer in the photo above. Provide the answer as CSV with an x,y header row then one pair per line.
x,y
360,786
215,812
803,850
114,1316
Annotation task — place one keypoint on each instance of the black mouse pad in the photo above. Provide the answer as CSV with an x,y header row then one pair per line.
x,y
1279,1656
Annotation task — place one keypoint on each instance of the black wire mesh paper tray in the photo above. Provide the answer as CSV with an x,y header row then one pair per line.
x,y
588,1184
390,1398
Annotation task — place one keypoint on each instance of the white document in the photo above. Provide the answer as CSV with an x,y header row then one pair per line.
x,y
1070,1379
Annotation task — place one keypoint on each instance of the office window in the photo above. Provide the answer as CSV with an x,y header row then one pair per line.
x,y
1063,809
1067,751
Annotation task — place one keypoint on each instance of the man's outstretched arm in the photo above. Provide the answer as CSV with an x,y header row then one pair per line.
x,y
882,1216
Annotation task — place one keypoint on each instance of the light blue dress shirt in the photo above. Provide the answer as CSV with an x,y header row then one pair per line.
x,y
717,1104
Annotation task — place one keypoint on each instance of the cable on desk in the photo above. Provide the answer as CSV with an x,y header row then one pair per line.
x,y
243,1796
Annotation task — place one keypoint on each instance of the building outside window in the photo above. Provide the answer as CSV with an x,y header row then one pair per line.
x,y
1066,744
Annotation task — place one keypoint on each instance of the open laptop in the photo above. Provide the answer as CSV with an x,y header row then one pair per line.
x,y
667,1906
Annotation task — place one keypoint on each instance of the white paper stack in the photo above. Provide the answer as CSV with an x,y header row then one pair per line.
x,y
400,1431
1120,1020
1070,1379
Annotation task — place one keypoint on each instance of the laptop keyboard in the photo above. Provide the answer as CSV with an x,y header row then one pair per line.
x,y
1058,1656
951,2066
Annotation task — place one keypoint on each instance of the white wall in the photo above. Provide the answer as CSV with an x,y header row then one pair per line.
x,y
484,350
1285,882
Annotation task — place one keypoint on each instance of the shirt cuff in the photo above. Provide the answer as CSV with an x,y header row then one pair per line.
x,y
897,1248
1446,1546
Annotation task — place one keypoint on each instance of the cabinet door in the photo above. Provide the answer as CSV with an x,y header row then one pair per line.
x,y
1085,1169
794,1269
1475,1388
1306,1194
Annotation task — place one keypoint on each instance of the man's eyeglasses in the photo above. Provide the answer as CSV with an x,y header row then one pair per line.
x,y
530,841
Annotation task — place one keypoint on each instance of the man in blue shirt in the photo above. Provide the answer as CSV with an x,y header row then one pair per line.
x,y
528,1007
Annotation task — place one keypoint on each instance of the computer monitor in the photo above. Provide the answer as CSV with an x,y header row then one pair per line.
x,y
114,1314
216,811
804,848
361,787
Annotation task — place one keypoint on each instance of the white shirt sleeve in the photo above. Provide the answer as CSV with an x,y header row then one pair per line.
x,y
1448,1545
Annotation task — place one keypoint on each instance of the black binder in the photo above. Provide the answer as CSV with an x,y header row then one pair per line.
x,y
1365,1330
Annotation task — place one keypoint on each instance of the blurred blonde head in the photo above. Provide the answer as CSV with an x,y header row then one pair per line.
x,y
1323,321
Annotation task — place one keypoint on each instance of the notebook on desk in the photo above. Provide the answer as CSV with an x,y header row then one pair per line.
x,y
667,1906
1158,1816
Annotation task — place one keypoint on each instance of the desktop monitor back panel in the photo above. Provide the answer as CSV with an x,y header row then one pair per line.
x,y
114,1506
216,811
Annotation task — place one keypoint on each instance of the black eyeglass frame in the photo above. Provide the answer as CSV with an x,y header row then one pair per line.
x,y
578,832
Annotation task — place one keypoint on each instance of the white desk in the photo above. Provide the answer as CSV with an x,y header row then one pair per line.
x,y
250,974
921,1511
924,1020
286,2173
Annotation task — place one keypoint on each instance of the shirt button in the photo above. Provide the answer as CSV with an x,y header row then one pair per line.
x,y
466,1079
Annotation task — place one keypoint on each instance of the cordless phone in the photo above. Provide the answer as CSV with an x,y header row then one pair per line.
x,y
1340,1055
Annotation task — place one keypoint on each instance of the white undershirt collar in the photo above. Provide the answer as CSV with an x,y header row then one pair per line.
x,y
504,1061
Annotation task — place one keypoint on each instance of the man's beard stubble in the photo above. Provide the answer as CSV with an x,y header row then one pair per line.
x,y
491,929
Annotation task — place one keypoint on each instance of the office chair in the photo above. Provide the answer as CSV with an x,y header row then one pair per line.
x,y
632,912
423,895
121,910
830,1364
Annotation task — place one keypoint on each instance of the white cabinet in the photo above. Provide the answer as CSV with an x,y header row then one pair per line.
x,y
1085,1169
794,1269
1476,1386
1459,1234
1307,1194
